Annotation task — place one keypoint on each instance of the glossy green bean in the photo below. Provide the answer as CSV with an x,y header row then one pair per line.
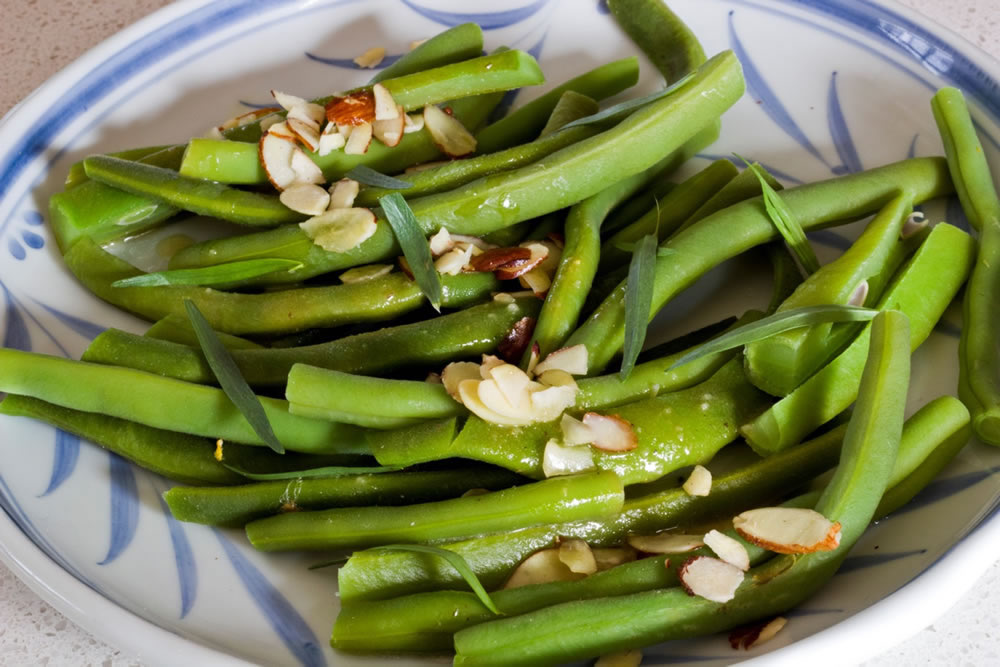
x,y
460,42
276,312
77,175
434,342
177,329
979,358
571,106
524,124
638,205
587,496
565,177
164,403
745,185
579,630
738,228
663,37
236,505
922,290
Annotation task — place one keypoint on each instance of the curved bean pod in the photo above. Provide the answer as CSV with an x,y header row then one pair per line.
x,y
663,37
460,42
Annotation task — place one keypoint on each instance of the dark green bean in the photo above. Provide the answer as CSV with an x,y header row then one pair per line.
x,y
460,42
177,329
663,37
77,175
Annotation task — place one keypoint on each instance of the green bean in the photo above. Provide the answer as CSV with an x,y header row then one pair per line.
x,y
745,185
466,333
237,505
460,42
77,175
638,205
979,359
166,186
668,213
526,122
183,458
491,203
673,430
366,401
103,213
571,106
781,363
745,225
586,496
578,630
370,576
277,312
238,162
786,276
177,329
164,403
922,290
663,37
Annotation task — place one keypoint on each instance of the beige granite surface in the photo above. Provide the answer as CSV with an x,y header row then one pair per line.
x,y
38,37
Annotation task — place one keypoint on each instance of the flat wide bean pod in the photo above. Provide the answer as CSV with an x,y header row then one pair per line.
x,y
267,313
922,290
738,228
462,334
587,496
494,202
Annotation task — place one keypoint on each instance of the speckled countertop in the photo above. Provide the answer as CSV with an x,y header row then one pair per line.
x,y
42,36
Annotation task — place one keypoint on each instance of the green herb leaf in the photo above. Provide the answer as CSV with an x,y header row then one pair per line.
x,y
211,275
414,244
311,473
775,324
456,561
630,246
638,301
329,563
784,221
368,176
230,379
618,111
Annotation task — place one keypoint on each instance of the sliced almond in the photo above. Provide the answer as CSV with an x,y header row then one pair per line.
x,y
512,346
493,258
503,297
609,557
385,107
213,133
276,158
574,431
560,460
535,353
577,556
630,658
330,141
710,578
468,393
305,132
537,281
306,198
269,121
611,433
440,242
489,363
665,543
313,114
246,118
473,240
456,372
360,139
354,109
519,410
344,192
571,359
448,133
371,58
340,229
549,403
512,270
454,261
413,122
859,294
286,101
552,256
788,530
768,632
513,383
281,129
306,171
541,567
730,550
748,636
360,274
699,482
557,378
389,132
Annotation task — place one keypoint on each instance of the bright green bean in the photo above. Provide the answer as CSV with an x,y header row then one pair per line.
x,y
77,175
745,185
177,329
571,106
461,42
663,37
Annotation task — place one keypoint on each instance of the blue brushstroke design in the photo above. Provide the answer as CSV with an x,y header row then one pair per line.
x,y
940,489
255,105
15,249
830,239
912,153
768,100
841,134
33,218
187,568
774,171
486,20
955,214
16,336
602,7
86,328
805,611
124,507
852,563
287,623
64,458
348,63
32,240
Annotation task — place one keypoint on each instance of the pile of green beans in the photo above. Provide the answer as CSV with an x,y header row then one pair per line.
x,y
380,451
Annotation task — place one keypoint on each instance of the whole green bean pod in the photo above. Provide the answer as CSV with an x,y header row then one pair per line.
x,y
579,630
662,36
668,213
638,205
587,496
371,575
458,43
183,458
485,205
277,312
979,359
434,342
77,175
237,505
524,124
177,329
738,228
922,290
745,185
165,403
571,106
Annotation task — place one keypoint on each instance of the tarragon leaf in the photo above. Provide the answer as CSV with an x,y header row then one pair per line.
x,y
414,244
638,301
376,179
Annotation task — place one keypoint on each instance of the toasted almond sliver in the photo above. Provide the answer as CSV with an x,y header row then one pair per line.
x,y
574,431
699,482
246,118
360,274
630,658
389,132
489,362
448,132
306,171
768,632
577,556
281,129
343,193
503,297
609,557
329,142
276,158
513,383
286,101
306,198
788,530
441,242
710,578
560,460
305,132
494,399
414,122
611,433
728,549
571,359
360,139
340,229
352,109
385,107
537,281
371,58
453,262
557,378
541,567
457,371
468,393
549,403
665,543
311,113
